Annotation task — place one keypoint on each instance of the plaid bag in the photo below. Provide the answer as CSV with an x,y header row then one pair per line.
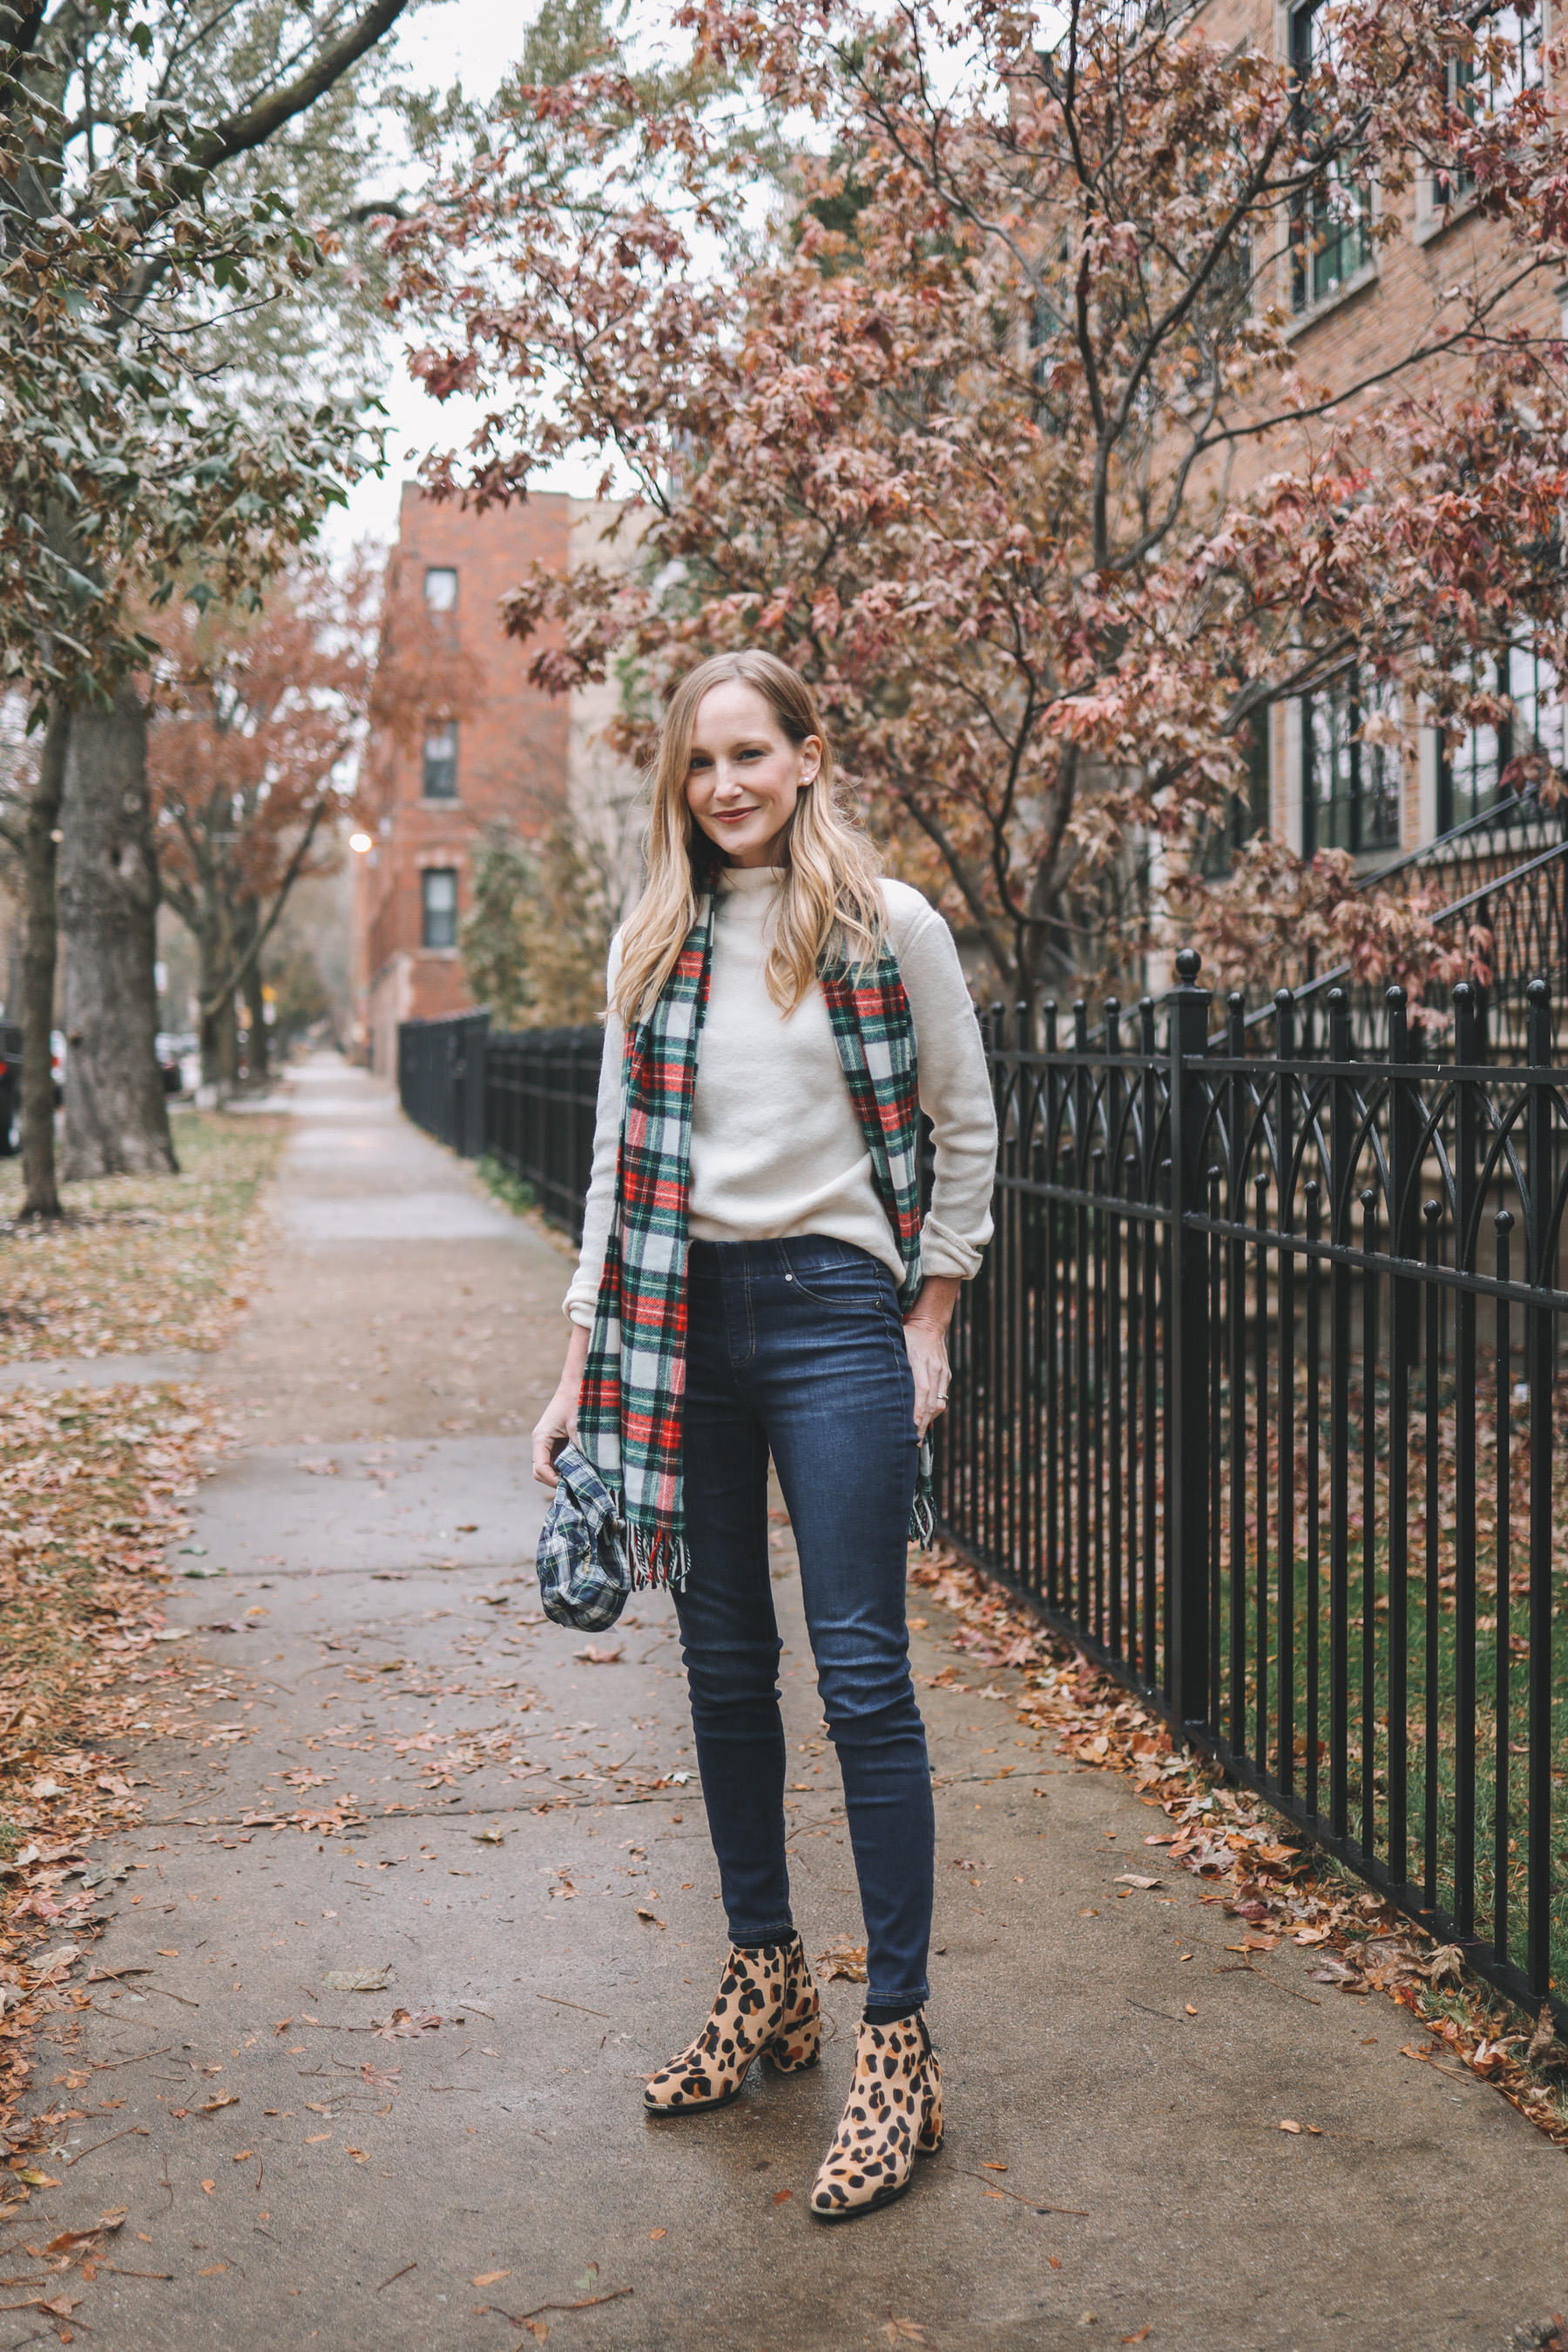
x,y
581,1576
629,1413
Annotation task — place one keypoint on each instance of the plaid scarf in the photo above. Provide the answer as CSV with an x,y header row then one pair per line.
x,y
629,1413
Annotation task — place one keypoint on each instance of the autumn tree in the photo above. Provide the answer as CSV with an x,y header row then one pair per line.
x,y
535,942
997,429
133,216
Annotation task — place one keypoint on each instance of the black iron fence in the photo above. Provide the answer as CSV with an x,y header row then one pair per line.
x,y
541,1085
524,1097
441,1078
1254,1395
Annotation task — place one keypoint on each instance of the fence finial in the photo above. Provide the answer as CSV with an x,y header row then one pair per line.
x,y
1189,963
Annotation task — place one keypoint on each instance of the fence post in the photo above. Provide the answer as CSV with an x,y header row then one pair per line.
x,y
1540,1352
1186,1404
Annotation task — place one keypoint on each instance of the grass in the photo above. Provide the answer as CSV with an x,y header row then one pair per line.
x,y
1369,1677
508,1188
137,1263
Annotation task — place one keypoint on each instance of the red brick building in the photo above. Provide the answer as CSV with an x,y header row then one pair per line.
x,y
473,745
1355,306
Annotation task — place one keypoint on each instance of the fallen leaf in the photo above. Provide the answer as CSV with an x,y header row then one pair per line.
x,y
315,2138
1054,2260
658,2233
1544,2035
490,1837
404,2025
904,2331
207,2187
489,2278
113,1786
220,2099
989,2164
359,2155
212,2269
643,1913
245,2156
164,1954
845,1960
1191,2010
357,1980
1288,2126
782,2196
1130,1878
538,2328
1141,2335
592,1655
35,2179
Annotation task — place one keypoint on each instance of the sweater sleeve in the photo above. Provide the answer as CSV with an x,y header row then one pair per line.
x,y
955,1086
583,1294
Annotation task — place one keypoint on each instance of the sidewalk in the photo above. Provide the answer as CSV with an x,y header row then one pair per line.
x,y
307,2180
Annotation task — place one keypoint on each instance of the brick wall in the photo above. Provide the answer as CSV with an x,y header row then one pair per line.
x,y
512,751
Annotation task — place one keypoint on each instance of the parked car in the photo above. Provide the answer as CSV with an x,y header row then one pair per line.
x,y
173,1053
10,1088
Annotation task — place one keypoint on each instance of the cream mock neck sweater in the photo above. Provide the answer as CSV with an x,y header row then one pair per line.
x,y
775,1144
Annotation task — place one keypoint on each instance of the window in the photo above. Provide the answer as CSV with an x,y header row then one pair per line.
x,y
441,588
441,759
1470,772
1537,695
1248,811
1477,91
1350,787
438,889
1330,222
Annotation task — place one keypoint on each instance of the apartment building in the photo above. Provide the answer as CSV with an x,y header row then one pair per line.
x,y
1356,307
467,744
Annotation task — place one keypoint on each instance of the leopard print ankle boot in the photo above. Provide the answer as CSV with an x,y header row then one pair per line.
x,y
767,2007
893,2114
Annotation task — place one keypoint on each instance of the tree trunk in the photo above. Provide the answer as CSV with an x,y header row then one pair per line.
x,y
117,1116
219,1044
41,1193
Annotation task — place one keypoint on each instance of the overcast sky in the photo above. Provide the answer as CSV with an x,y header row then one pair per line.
x,y
473,42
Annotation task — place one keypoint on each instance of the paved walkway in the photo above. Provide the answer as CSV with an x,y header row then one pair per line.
x,y
527,1863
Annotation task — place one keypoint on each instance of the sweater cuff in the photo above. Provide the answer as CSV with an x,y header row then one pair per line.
x,y
945,1252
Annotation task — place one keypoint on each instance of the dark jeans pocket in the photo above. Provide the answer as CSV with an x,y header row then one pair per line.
x,y
845,1285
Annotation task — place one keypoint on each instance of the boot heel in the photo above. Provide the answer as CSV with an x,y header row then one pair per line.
x,y
798,2046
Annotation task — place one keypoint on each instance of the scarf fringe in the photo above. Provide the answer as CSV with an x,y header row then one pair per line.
x,y
922,1521
653,1559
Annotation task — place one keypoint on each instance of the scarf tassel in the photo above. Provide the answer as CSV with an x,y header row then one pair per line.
x,y
653,1558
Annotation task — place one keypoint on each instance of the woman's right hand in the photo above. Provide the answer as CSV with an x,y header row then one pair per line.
x,y
557,1424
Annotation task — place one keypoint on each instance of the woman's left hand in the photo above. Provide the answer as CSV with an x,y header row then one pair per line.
x,y
925,1336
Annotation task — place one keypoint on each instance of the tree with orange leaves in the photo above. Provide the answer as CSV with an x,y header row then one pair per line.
x,y
1000,429
252,757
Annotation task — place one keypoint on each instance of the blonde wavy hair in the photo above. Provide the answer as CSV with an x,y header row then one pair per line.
x,y
830,904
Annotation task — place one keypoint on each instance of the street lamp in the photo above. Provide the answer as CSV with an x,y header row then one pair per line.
x,y
360,842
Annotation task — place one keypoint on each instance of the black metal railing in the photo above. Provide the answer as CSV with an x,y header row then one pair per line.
x,y
1254,1397
1502,876
441,1078
541,1087
526,1097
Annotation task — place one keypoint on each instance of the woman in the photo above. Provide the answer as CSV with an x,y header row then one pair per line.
x,y
755,1280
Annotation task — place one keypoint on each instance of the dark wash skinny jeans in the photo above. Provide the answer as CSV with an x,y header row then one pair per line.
x,y
796,1348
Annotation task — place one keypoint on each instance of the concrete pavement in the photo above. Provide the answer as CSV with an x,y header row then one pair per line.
x,y
511,1832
